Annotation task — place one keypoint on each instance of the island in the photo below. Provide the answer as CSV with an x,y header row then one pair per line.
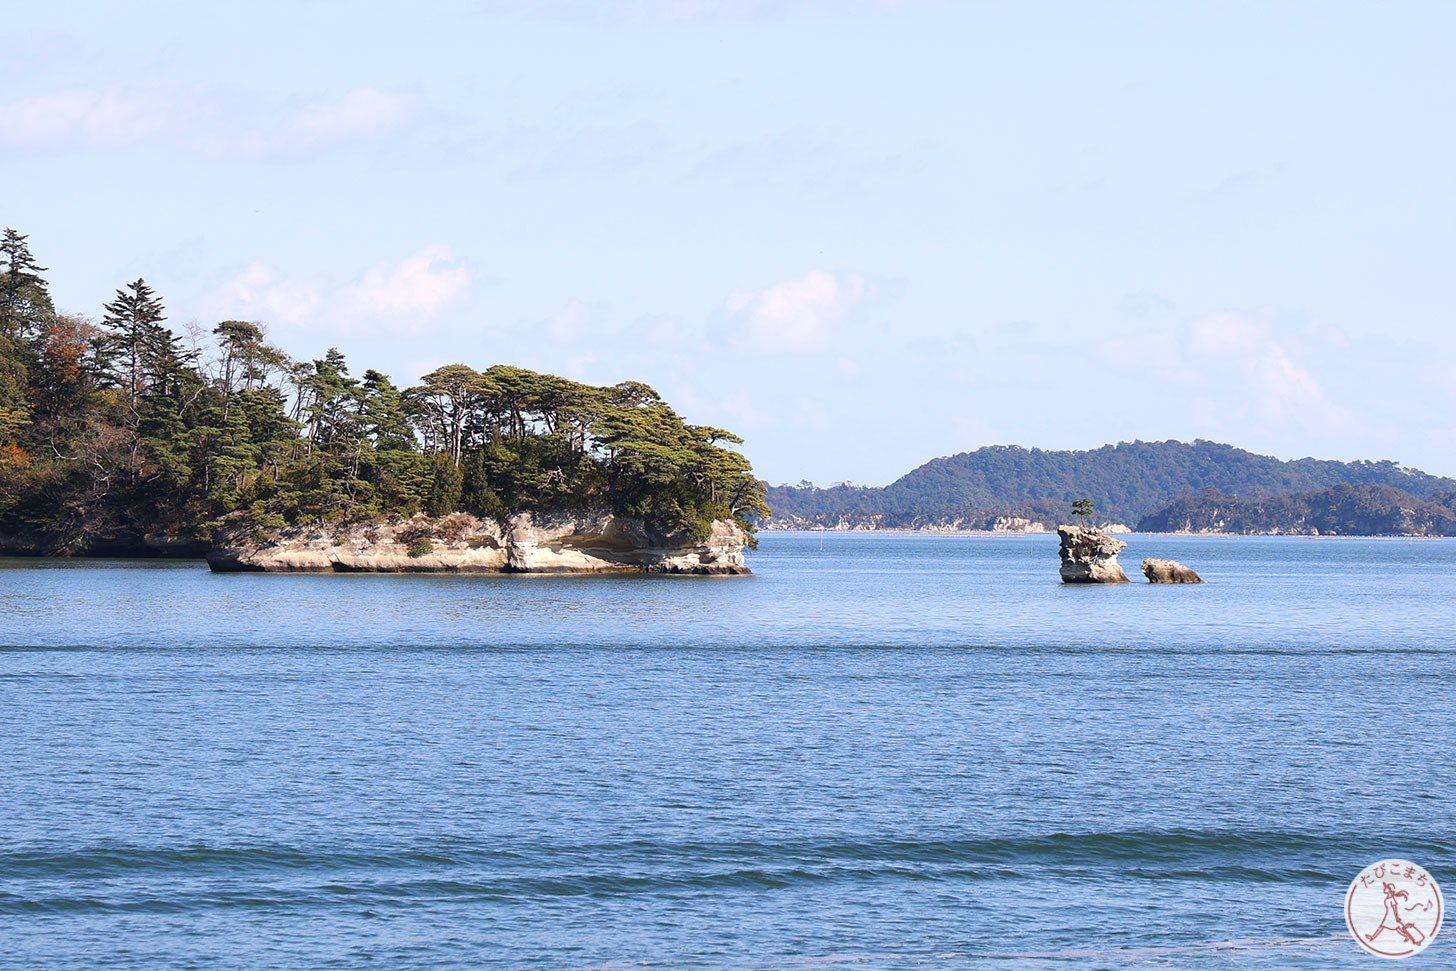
x,y
121,438
1175,487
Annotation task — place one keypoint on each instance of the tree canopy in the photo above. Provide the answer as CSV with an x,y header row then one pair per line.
x,y
121,428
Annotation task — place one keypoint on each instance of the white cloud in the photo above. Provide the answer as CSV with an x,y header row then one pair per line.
x,y
360,115
409,292
104,118
258,294
534,152
403,294
1227,334
796,314
1275,385
569,324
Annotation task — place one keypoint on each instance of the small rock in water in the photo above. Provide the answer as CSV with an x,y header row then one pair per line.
x,y
1089,556
1168,571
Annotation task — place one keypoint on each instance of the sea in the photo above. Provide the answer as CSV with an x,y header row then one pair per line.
x,y
879,751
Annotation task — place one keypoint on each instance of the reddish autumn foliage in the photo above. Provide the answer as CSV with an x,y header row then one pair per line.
x,y
14,457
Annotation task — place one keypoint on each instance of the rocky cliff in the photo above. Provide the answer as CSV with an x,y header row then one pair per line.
x,y
584,541
1089,556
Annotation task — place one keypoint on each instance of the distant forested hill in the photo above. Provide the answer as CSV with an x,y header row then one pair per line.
x,y
1342,510
1127,482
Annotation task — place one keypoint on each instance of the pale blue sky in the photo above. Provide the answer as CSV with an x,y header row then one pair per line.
x,y
862,234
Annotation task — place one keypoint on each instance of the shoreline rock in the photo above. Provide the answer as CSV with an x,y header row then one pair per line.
x,y
1017,524
1090,556
582,541
1168,571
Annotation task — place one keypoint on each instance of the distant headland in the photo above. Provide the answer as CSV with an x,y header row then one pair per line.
x,y
1198,487
121,438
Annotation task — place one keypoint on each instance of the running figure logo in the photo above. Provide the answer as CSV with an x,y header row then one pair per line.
x,y
1393,909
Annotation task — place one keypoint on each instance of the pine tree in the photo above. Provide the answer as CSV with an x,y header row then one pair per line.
x,y
241,342
134,339
25,301
445,485
232,458
384,414
330,393
270,430
25,314
14,408
163,433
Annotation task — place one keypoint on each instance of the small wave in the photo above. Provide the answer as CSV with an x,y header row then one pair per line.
x,y
165,879
919,644
1139,847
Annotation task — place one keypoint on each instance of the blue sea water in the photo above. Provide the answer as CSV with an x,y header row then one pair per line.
x,y
880,751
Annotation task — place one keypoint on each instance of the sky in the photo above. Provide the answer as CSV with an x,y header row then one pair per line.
x,y
859,233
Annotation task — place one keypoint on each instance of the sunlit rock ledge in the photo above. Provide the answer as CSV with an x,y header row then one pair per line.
x,y
559,542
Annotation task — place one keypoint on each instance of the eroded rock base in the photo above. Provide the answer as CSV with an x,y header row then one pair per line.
x,y
581,542
1089,556
1168,571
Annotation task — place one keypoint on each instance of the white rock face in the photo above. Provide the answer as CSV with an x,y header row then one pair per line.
x,y
603,542
578,542
1016,524
1089,556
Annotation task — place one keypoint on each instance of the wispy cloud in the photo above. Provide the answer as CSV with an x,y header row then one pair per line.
x,y
1240,182
203,120
540,152
33,53
411,292
258,293
796,314
811,158
360,115
114,117
1273,384
394,295
767,154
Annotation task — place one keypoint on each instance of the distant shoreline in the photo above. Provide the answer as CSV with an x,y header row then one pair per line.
x,y
1169,486
899,530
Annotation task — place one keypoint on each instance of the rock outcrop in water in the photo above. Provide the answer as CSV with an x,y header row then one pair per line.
x,y
580,542
1090,556
1168,571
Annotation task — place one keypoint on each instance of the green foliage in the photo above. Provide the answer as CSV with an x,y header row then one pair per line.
x,y
478,494
383,411
1343,510
25,301
1083,509
445,485
1130,480
25,316
135,353
119,430
420,546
